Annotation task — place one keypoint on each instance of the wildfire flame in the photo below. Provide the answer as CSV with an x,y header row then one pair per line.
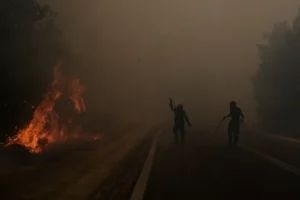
x,y
76,96
44,128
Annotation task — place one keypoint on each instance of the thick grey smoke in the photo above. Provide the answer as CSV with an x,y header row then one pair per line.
x,y
136,54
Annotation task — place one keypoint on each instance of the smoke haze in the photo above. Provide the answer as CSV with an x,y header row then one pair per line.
x,y
133,54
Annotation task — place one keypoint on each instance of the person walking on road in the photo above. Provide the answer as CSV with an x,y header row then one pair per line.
x,y
179,121
237,117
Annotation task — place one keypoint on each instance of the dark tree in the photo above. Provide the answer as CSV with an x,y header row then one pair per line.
x,y
29,47
277,82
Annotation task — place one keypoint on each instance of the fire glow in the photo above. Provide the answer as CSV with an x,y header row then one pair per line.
x,y
45,129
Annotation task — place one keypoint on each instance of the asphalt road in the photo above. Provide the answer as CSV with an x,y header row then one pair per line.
x,y
261,167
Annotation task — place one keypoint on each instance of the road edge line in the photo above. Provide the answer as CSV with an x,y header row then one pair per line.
x,y
275,161
141,184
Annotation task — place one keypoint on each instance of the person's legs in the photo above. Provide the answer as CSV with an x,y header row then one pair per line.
x,y
236,133
175,132
182,134
229,131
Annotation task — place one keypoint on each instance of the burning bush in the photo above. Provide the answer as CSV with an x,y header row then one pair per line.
x,y
46,127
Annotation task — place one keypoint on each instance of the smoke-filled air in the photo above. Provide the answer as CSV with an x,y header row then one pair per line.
x,y
134,55
131,56
157,99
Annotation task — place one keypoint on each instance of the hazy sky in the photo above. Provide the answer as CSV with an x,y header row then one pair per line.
x,y
135,54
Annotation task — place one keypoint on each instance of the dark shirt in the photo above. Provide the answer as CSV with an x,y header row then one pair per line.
x,y
179,116
236,114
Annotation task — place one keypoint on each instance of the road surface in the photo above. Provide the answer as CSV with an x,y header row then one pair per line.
x,y
262,167
137,166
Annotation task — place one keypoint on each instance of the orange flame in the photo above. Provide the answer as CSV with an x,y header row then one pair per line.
x,y
76,96
44,128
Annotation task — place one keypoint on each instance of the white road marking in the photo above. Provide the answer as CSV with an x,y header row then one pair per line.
x,y
275,161
140,186
289,139
279,137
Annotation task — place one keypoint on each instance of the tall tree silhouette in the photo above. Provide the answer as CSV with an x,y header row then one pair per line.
x,y
277,83
29,48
